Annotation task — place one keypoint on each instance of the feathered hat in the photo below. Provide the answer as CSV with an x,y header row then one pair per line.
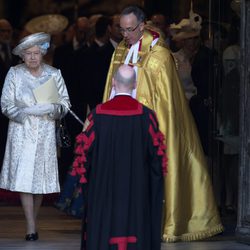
x,y
40,39
187,27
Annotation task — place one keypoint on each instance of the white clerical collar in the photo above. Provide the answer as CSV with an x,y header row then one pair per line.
x,y
121,93
133,53
99,43
114,43
75,43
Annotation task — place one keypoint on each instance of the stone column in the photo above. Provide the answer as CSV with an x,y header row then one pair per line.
x,y
243,220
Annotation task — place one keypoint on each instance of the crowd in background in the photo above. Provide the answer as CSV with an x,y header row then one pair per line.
x,y
207,63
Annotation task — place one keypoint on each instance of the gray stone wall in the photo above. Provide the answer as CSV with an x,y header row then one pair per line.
x,y
243,221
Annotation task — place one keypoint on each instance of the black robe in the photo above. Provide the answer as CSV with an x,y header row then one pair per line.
x,y
120,159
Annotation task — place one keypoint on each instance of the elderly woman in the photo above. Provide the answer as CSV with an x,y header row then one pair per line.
x,y
30,163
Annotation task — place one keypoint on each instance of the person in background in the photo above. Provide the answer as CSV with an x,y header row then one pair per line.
x,y
64,54
195,64
69,33
6,61
65,60
6,58
160,21
30,161
114,30
104,56
127,176
230,116
188,183
187,33
106,52
91,32
94,60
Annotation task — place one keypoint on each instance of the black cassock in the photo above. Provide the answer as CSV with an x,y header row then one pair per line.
x,y
120,159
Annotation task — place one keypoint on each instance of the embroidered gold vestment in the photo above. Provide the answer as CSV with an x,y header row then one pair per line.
x,y
190,210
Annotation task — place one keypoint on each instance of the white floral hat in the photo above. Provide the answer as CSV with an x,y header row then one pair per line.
x,y
187,27
41,39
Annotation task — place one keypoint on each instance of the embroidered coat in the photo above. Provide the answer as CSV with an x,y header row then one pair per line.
x,y
30,162
188,183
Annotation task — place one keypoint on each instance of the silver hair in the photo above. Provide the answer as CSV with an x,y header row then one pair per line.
x,y
42,49
136,10
124,80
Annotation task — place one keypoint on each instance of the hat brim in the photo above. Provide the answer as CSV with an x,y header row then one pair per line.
x,y
182,35
52,24
30,41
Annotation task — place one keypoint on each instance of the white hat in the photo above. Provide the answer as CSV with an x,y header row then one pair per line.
x,y
187,27
40,39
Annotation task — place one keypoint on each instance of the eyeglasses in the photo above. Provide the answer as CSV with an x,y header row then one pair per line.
x,y
129,30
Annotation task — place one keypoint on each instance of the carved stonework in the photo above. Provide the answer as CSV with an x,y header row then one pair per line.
x,y
243,224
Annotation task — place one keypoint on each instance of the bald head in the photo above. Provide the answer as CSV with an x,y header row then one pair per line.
x,y
124,79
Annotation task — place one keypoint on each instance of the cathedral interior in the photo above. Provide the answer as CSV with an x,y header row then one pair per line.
x,y
222,24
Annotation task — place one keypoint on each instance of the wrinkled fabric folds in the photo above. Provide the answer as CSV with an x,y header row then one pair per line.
x,y
190,211
30,162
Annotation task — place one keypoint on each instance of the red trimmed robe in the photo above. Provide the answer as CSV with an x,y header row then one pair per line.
x,y
120,159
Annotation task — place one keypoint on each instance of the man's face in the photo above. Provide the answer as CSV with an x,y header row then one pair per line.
x,y
114,29
5,31
82,27
191,44
159,21
131,28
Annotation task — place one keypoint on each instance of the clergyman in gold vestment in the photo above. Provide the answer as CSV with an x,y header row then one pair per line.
x,y
190,211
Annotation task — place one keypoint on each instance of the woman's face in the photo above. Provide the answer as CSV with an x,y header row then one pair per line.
x,y
191,44
32,57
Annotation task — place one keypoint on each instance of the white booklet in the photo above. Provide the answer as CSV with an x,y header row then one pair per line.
x,y
47,92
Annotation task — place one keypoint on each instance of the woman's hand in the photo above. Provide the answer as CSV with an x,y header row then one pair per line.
x,y
39,109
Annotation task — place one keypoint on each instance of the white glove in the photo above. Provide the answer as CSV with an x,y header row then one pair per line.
x,y
21,117
39,109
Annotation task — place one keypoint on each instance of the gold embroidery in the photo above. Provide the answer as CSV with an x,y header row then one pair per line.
x,y
153,64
